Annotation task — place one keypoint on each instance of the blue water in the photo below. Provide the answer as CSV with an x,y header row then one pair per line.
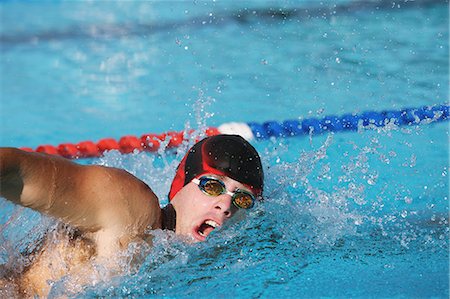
x,y
346,215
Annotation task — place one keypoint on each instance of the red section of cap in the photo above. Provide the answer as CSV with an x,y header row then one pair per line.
x,y
88,149
26,149
178,181
180,176
129,143
107,144
48,149
208,169
151,142
212,131
68,150
176,138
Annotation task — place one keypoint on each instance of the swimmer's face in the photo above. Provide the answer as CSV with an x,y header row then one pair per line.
x,y
198,214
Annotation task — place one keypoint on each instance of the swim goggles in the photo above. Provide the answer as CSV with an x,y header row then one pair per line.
x,y
214,187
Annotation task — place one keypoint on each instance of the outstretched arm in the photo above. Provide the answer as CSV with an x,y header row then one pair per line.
x,y
87,197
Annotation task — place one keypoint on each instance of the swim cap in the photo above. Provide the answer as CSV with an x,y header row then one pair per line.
x,y
226,155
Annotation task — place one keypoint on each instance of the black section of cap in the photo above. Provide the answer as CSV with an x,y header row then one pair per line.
x,y
233,155
230,154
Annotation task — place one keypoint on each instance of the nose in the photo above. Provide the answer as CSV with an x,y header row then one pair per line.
x,y
224,205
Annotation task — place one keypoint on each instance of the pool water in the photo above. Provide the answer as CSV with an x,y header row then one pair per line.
x,y
354,214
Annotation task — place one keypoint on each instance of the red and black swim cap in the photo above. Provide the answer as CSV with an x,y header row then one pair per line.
x,y
227,155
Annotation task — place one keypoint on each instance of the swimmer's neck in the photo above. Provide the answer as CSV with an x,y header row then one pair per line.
x,y
168,217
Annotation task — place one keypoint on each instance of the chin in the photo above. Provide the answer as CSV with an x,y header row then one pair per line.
x,y
192,237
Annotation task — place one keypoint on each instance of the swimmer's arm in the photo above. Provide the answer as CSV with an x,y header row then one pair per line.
x,y
88,197
30,179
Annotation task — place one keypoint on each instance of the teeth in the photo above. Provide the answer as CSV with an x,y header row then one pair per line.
x,y
212,223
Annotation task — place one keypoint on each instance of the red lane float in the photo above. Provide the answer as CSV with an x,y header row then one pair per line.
x,y
107,144
68,150
88,149
47,149
126,144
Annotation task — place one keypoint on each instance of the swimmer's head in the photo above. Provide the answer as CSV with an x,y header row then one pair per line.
x,y
233,164
225,155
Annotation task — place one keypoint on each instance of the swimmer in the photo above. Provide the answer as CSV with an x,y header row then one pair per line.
x,y
108,207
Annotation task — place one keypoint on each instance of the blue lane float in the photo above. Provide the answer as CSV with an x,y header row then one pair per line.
x,y
346,122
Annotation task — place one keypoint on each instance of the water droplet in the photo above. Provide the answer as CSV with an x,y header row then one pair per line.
x,y
408,199
404,214
413,160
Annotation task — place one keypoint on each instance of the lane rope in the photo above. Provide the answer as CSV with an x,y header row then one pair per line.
x,y
252,130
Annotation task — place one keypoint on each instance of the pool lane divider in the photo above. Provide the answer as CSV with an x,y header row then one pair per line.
x,y
252,130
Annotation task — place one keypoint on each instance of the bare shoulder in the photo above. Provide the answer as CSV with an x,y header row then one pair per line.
x,y
89,197
117,181
123,198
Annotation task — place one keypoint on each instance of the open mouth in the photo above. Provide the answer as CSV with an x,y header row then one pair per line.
x,y
206,228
